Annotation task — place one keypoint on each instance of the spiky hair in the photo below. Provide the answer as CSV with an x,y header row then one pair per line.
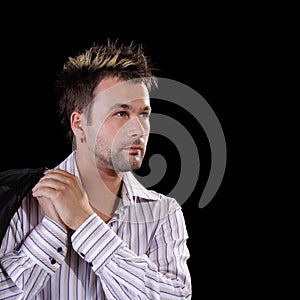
x,y
81,74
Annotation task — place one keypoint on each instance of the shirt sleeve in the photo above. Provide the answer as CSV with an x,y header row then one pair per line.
x,y
162,273
25,270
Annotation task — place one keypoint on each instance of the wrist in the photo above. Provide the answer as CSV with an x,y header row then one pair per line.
x,y
79,220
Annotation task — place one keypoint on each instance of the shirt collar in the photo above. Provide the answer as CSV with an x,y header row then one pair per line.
x,y
131,190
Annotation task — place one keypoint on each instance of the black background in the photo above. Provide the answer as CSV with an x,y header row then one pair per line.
x,y
201,47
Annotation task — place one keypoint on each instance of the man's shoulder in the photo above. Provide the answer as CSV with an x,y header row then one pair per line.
x,y
157,200
153,197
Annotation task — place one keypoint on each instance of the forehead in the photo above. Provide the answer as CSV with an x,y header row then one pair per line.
x,y
111,91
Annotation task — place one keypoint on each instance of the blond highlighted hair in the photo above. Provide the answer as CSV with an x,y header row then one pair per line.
x,y
81,74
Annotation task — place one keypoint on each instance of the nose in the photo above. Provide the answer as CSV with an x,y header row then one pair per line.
x,y
136,128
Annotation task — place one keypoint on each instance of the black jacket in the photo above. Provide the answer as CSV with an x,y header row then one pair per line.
x,y
14,185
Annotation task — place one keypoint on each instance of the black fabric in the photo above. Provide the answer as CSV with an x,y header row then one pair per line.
x,y
14,185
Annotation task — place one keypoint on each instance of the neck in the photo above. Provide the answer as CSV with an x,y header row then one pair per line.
x,y
102,186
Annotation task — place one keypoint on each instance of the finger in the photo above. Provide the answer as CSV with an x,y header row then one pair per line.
x,y
48,183
59,173
50,211
45,192
51,182
59,176
46,204
55,180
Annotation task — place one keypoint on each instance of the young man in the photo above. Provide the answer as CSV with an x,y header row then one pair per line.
x,y
88,229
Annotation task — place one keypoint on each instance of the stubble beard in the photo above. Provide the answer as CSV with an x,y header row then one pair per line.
x,y
117,161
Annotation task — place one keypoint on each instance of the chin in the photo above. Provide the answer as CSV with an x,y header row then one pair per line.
x,y
135,167
135,164
125,165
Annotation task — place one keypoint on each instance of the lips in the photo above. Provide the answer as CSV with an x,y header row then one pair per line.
x,y
134,148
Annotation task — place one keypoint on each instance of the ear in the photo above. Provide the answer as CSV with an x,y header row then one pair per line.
x,y
75,121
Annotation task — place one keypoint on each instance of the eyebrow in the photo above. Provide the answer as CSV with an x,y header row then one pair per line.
x,y
127,106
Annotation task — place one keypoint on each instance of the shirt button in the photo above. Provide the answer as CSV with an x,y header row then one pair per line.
x,y
91,264
82,254
59,249
52,260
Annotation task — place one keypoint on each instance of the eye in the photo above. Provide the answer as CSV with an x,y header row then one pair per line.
x,y
145,115
122,114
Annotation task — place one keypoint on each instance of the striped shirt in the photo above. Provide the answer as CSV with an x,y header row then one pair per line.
x,y
141,253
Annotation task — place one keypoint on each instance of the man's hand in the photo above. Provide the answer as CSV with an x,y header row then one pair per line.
x,y
64,191
50,211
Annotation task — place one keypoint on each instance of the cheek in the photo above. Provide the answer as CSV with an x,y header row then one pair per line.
x,y
109,129
107,133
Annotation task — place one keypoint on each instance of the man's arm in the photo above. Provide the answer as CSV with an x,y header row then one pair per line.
x,y
162,273
29,259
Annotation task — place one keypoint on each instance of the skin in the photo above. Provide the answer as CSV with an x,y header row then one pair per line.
x,y
112,142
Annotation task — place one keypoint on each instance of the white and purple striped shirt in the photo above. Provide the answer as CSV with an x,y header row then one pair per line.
x,y
141,253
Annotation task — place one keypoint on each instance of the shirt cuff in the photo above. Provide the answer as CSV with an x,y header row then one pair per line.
x,y
47,245
95,242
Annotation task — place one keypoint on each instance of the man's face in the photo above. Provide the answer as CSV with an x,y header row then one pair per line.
x,y
119,127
